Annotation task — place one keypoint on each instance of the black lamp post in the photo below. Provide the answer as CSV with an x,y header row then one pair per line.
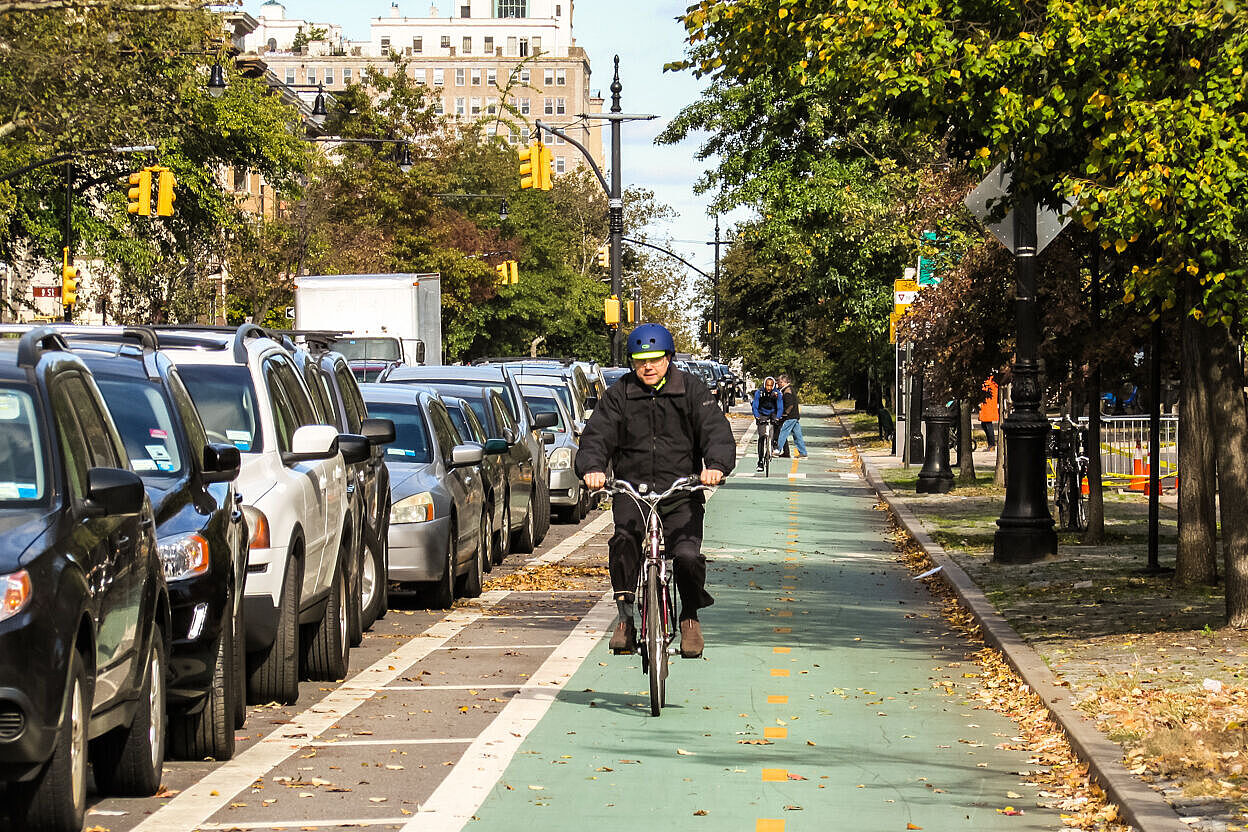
x,y
936,477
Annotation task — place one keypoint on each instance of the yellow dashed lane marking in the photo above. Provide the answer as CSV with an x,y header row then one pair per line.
x,y
781,649
785,614
769,825
779,671
775,733
788,588
783,629
777,699
775,775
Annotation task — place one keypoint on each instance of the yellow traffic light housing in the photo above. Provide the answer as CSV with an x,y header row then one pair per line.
x,y
513,272
164,195
545,167
140,193
611,310
69,284
604,257
529,157
501,274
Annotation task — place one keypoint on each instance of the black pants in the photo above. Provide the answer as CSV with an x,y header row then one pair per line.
x,y
775,431
990,431
682,537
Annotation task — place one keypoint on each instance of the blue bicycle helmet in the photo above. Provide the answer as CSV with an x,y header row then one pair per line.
x,y
650,341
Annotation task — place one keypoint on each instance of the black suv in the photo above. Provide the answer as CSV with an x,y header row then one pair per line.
x,y
200,531
84,624
336,395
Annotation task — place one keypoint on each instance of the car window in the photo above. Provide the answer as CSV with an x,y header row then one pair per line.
x,y
226,400
502,415
94,427
448,438
545,405
22,472
285,420
378,349
146,426
353,404
476,430
73,445
478,408
196,438
460,423
321,398
296,393
411,437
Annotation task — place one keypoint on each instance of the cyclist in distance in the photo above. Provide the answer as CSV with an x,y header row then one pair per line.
x,y
767,406
655,425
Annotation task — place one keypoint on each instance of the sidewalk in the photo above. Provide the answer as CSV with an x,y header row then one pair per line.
x,y
1146,663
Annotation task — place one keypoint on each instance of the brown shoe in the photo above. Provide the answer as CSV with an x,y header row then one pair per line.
x,y
691,643
624,639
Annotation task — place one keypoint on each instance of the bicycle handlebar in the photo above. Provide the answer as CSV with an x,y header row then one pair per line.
x,y
690,484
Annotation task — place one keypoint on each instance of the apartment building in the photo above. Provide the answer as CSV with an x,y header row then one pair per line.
x,y
502,64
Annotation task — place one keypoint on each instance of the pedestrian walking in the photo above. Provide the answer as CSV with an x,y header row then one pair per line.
x,y
990,413
790,414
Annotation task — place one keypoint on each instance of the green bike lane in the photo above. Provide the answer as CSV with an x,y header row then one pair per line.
x,y
818,703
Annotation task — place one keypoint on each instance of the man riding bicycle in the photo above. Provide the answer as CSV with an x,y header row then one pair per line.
x,y
767,406
652,427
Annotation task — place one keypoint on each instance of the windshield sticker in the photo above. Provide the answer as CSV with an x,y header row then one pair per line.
x,y
400,452
143,465
164,466
158,453
157,433
10,407
240,438
18,491
8,491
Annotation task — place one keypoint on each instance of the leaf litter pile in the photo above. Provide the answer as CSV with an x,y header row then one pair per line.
x,y
1062,778
551,576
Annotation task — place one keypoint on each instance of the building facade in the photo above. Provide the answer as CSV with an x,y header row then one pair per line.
x,y
500,64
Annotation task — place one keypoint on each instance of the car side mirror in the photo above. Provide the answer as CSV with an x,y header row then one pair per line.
x,y
354,448
510,437
548,438
378,431
221,462
311,443
493,447
590,403
114,491
545,420
466,454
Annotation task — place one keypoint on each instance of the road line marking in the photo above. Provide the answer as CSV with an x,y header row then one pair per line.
x,y
424,741
798,476
785,614
775,733
781,649
769,825
454,687
779,671
774,699
789,588
571,544
300,824
451,647
775,775
458,797
783,629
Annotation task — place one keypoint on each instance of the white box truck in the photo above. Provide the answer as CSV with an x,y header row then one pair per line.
x,y
383,317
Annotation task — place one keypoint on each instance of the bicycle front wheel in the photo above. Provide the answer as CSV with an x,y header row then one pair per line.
x,y
656,647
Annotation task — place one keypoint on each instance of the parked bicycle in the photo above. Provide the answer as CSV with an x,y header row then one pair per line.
x,y
1067,445
655,585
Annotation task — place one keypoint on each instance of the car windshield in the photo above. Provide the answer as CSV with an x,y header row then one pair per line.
x,y
22,476
411,436
547,405
142,415
376,349
226,401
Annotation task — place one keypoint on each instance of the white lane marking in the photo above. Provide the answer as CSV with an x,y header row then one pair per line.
x,y
743,446
570,544
454,687
302,824
797,476
449,648
424,741
846,476
198,802
460,795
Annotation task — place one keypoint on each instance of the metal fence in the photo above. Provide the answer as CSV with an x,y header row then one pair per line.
x,y
1124,439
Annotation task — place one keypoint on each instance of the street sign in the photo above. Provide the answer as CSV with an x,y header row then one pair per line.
x,y
996,185
904,293
46,291
927,265
290,312
893,317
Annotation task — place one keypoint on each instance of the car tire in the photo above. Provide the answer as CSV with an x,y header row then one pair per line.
x,y
354,579
130,761
328,652
442,592
475,577
273,674
525,541
542,524
487,563
209,732
383,605
502,535
240,668
56,799
373,582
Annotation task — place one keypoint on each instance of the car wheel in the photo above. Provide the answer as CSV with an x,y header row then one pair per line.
x,y
373,582
240,669
502,535
273,675
353,580
130,760
542,524
487,561
476,572
442,592
526,540
329,650
56,799
210,731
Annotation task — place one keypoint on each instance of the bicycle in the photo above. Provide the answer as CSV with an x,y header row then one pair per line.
x,y
767,435
654,586
1068,448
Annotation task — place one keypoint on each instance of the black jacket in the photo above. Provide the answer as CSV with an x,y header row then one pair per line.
x,y
656,437
790,408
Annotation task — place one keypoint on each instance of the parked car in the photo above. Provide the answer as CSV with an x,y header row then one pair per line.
x,y
610,375
525,427
84,627
584,391
439,522
568,496
294,485
562,387
336,396
493,469
200,531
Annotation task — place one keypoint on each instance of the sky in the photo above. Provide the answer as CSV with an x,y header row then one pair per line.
x,y
646,35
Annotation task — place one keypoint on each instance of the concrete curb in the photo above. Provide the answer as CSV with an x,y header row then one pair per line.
x,y
1140,805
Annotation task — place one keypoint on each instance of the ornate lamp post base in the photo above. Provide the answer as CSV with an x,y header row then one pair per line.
x,y
936,476
1025,532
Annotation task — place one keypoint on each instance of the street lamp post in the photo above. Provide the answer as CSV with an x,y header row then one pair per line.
x,y
715,296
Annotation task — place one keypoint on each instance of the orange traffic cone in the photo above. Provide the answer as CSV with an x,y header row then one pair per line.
x,y
1139,471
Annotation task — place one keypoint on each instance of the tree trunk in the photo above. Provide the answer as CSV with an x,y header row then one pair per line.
x,y
966,461
1224,377
1196,561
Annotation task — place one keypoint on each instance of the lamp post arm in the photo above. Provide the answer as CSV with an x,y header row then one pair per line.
x,y
668,252
65,157
602,180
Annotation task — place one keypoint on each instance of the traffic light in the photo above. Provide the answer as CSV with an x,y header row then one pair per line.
x,y
140,193
501,271
545,166
513,272
164,195
611,310
604,257
529,157
69,284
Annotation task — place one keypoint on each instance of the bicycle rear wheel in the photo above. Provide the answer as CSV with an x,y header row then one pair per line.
x,y
656,648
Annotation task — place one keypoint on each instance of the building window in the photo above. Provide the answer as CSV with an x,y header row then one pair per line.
x,y
560,164
491,106
240,179
420,76
467,46
446,41
465,11
512,47
439,76
561,106
514,136
329,76
524,106
549,107
418,45
476,107
311,75
524,47
385,45
512,8
561,77
459,106
489,45
290,75
460,76
346,75
438,107
525,75
548,78
491,77
476,77
558,10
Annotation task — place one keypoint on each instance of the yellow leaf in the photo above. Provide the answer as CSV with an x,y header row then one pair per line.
x,y
1120,246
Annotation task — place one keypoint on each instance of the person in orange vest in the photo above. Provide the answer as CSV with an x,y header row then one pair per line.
x,y
990,413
